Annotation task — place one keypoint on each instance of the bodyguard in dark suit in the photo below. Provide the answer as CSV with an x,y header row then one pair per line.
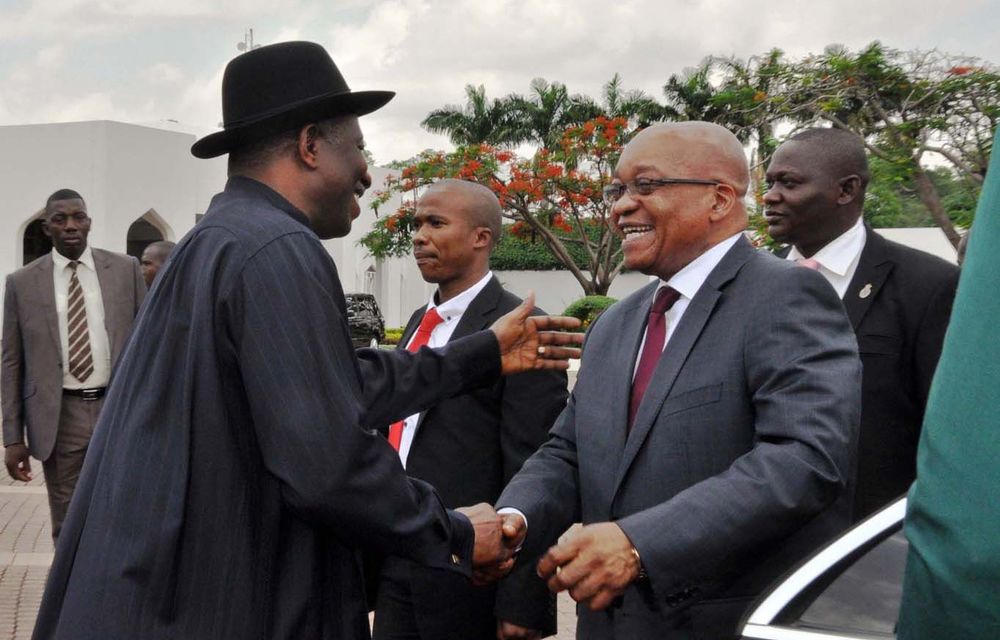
x,y
898,298
230,487
66,318
708,443
469,446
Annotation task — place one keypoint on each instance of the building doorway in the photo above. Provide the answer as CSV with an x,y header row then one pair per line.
x,y
35,243
140,235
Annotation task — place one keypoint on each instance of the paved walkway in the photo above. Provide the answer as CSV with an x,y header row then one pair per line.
x,y
25,552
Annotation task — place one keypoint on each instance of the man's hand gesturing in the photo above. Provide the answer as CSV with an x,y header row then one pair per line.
x,y
531,342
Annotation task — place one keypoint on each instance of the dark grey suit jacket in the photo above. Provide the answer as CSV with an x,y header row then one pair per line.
x,y
229,486
468,447
32,372
740,457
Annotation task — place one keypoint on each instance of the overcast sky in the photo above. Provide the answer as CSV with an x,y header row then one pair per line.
x,y
157,61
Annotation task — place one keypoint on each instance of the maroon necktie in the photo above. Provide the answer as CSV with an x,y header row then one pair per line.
x,y
656,331
420,338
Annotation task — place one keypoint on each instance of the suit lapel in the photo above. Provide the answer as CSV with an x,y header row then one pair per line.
x,y
105,278
874,266
619,354
45,283
411,327
678,349
478,315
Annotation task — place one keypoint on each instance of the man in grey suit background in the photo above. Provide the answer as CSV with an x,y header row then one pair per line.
x,y
66,318
709,441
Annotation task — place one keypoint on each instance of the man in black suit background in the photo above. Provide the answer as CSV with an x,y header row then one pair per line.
x,y
468,446
898,299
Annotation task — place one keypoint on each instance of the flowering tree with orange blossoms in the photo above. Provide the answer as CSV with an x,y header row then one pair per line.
x,y
555,196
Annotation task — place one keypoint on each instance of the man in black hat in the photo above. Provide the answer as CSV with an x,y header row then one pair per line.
x,y
231,485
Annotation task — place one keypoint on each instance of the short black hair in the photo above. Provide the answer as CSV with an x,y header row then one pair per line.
x,y
842,151
62,194
254,156
164,247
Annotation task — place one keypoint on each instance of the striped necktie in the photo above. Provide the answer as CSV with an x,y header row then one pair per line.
x,y
81,362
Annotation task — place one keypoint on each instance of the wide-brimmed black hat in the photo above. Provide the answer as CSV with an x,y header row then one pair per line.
x,y
278,88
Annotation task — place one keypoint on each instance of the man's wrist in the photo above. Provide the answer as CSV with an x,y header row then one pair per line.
x,y
641,572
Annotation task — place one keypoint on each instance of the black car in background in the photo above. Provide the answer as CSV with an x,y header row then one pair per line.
x,y
365,320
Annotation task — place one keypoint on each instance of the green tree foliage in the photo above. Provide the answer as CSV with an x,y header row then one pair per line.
x,y
907,106
554,197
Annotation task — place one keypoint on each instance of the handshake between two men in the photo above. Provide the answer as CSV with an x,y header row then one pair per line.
x,y
595,563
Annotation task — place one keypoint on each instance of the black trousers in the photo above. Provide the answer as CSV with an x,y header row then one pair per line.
x,y
417,603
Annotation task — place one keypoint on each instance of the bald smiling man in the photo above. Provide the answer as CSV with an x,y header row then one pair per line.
x,y
708,442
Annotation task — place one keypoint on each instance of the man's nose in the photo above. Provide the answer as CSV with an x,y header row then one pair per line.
x,y
366,180
770,195
623,206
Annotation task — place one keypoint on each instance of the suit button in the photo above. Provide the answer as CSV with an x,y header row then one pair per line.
x,y
455,559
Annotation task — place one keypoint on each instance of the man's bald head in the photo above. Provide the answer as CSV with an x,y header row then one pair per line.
x,y
840,153
684,186
704,150
479,204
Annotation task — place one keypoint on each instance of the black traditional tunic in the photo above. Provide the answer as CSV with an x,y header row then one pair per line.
x,y
230,484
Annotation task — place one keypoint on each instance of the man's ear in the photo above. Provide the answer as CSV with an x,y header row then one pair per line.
x,y
850,189
725,198
484,237
308,145
45,228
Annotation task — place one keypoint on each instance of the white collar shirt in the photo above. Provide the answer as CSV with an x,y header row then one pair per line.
x,y
839,259
451,313
687,282
100,350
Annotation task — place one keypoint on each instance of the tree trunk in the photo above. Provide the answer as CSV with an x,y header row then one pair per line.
x,y
929,197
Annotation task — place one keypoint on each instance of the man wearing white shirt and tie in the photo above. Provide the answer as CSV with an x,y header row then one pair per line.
x,y
707,445
898,298
66,318
470,445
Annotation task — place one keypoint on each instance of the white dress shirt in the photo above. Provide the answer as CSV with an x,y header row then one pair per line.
x,y
100,349
451,313
686,282
838,260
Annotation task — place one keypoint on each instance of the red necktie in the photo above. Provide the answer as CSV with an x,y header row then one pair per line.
x,y
808,263
656,332
420,338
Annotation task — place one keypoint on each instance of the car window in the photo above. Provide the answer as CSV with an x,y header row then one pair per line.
x,y
860,597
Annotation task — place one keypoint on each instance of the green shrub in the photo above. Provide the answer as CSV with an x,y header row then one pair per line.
x,y
588,308
393,335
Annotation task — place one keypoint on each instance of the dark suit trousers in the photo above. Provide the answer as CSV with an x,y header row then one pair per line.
x,y
461,611
77,418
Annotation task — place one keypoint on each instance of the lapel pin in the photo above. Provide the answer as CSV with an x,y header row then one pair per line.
x,y
865,291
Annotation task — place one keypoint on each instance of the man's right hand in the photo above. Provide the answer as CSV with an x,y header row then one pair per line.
x,y
491,558
530,343
18,462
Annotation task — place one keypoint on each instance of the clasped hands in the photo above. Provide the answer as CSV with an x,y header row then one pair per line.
x,y
594,563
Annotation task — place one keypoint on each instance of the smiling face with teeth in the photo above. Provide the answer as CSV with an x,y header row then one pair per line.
x,y
341,176
664,231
